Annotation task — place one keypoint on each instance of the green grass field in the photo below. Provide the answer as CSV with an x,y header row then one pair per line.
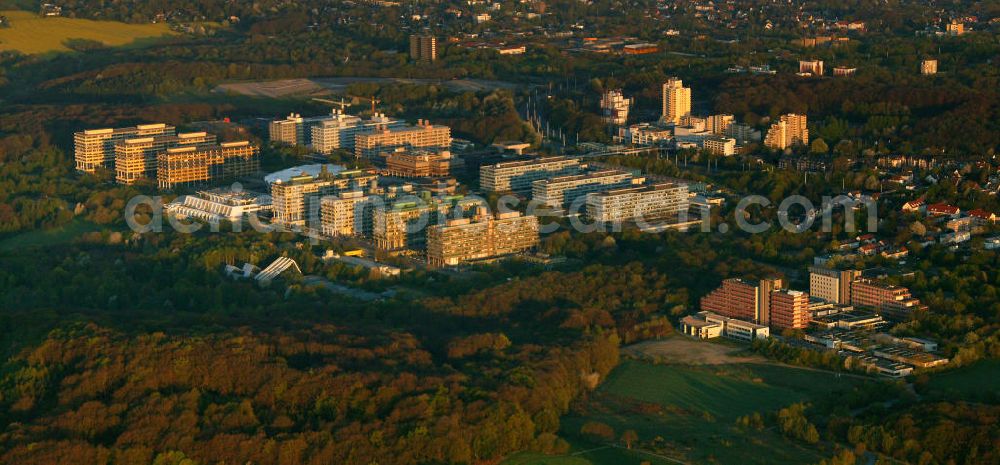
x,y
693,414
32,34
967,383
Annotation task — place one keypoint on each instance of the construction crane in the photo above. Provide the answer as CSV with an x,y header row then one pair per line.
x,y
342,104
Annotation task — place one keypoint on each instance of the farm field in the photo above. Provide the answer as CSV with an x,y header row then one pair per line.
x,y
32,34
688,413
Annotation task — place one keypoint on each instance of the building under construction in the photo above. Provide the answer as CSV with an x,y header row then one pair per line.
x,y
136,159
203,164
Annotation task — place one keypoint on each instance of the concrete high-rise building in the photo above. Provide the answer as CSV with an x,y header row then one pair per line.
x,y
735,298
482,237
743,133
518,176
831,285
789,309
676,101
615,107
766,287
423,48
95,148
640,203
763,302
200,164
813,67
567,192
346,214
340,130
422,136
135,159
955,28
788,131
718,124
404,224
298,199
928,67
291,130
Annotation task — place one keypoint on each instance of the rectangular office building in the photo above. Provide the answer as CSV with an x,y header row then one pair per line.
x,y
480,238
651,202
135,159
95,148
422,136
198,165
518,176
569,192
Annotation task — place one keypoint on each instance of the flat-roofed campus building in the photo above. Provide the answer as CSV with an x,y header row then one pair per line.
x,y
735,298
346,214
219,204
891,301
745,300
198,165
708,325
719,145
418,163
518,176
479,238
403,225
831,285
135,159
298,199
645,203
789,309
422,136
562,192
340,130
95,148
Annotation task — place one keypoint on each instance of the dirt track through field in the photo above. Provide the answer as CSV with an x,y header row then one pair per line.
x,y
682,350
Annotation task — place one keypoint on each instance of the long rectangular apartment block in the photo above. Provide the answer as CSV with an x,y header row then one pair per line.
x,y
198,165
518,176
567,192
650,202
463,240
95,148
135,159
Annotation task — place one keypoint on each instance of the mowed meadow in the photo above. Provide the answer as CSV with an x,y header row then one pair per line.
x,y
31,34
